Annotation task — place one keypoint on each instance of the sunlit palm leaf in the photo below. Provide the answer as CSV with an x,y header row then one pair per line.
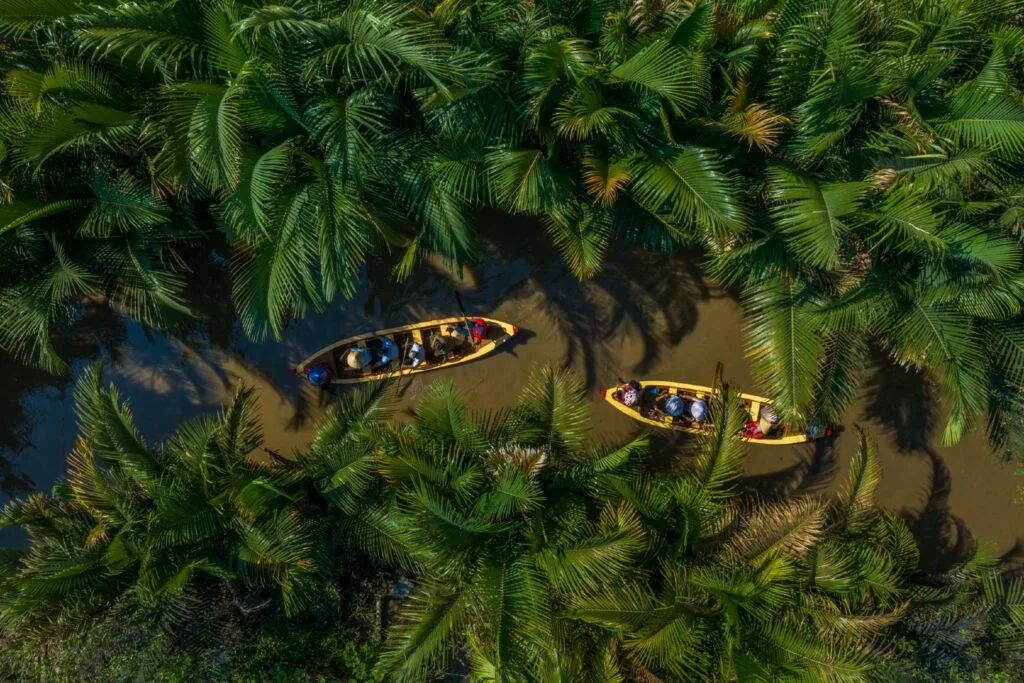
x,y
784,344
690,188
813,214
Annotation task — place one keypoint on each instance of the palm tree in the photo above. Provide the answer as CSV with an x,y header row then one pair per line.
x,y
797,589
493,517
852,166
155,522
884,217
536,556
970,614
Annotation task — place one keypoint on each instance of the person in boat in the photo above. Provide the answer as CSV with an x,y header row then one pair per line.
x,y
766,423
767,420
698,410
478,331
629,394
670,404
319,375
817,429
439,345
387,351
415,355
357,357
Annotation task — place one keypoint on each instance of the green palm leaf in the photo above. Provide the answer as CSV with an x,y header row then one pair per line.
x,y
425,640
552,410
784,345
994,123
689,187
583,237
273,280
667,70
812,213
524,180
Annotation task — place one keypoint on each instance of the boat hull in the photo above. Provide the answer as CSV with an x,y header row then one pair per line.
x,y
752,402
499,332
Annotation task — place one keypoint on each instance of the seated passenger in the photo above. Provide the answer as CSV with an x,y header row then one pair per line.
x,y
358,357
629,394
698,409
415,355
478,330
387,350
439,345
319,375
670,404
767,420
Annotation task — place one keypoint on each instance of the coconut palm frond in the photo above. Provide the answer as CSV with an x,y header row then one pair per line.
x,y
791,528
865,474
666,70
995,123
552,410
689,187
784,345
583,238
718,452
274,280
814,215
755,125
426,638
442,417
524,180
605,179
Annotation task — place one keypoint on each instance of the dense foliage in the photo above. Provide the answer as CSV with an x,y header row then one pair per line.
x,y
530,555
854,165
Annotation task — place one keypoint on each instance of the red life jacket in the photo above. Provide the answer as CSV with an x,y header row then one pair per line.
x,y
478,330
752,431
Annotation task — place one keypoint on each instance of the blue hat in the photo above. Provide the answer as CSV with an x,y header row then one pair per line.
x,y
318,375
674,406
697,410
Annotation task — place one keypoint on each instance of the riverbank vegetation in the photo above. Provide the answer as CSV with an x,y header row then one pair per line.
x,y
852,168
504,546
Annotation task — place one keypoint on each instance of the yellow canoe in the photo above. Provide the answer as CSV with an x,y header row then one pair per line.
x,y
650,415
460,349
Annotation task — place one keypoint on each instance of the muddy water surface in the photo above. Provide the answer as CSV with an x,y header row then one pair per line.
x,y
644,317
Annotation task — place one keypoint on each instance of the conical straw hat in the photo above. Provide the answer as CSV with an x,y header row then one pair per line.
x,y
357,358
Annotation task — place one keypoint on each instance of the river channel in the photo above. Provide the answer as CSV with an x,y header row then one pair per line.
x,y
645,316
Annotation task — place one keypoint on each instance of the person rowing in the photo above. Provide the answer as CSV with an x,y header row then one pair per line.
x,y
387,352
415,355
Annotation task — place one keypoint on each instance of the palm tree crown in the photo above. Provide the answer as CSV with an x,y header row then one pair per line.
x,y
154,521
538,557
853,165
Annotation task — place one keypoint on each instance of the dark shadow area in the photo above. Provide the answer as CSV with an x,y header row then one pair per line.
x,y
900,399
1012,560
943,539
657,294
208,295
97,333
303,404
670,452
812,473
521,338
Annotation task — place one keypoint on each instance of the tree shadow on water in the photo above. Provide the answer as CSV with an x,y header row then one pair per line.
x,y
653,296
943,539
813,472
902,400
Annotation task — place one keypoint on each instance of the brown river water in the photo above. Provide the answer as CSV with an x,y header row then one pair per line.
x,y
645,316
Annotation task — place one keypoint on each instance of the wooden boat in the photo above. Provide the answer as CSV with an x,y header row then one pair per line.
x,y
460,349
649,414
